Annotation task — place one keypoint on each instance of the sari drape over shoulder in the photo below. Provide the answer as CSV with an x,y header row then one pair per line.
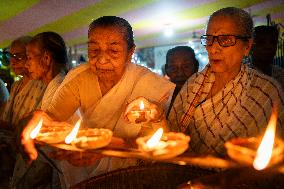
x,y
241,109
81,90
21,102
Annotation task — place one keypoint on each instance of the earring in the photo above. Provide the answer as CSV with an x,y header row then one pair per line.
x,y
246,59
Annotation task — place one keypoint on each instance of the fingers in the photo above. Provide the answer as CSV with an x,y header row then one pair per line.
x,y
26,141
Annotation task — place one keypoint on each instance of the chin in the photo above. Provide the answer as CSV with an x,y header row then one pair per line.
x,y
217,68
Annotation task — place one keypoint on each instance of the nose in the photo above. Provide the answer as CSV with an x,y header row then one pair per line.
x,y
103,57
215,47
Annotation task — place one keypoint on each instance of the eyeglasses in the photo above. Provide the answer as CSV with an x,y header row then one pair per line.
x,y
17,56
223,40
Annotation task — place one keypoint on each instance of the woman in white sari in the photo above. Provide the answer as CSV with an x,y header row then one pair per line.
x,y
227,99
102,88
47,60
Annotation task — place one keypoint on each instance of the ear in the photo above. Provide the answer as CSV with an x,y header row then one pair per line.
x,y
131,52
47,58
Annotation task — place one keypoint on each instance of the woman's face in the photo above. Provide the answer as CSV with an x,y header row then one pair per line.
x,y
18,59
226,59
36,63
108,53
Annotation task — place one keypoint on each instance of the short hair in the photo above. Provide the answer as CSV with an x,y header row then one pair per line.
x,y
54,44
23,40
186,49
242,18
115,21
271,31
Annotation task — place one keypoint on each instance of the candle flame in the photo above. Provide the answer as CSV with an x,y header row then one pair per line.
x,y
141,105
264,151
36,130
155,139
72,135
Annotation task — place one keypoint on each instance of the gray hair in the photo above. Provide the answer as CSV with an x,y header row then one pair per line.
x,y
123,24
240,16
24,40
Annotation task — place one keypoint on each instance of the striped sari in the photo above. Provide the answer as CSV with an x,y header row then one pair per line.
x,y
241,109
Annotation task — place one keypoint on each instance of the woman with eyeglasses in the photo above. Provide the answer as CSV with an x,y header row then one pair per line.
x,y
20,101
227,99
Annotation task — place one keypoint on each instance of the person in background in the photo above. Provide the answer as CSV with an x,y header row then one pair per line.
x,y
4,94
227,99
180,65
25,95
46,62
102,88
264,50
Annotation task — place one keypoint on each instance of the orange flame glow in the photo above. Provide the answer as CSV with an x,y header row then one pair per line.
x,y
72,135
264,151
36,130
141,106
155,139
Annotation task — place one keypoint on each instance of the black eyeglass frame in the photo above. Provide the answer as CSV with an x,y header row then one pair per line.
x,y
244,38
17,56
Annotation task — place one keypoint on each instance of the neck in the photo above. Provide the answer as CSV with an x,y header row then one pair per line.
x,y
221,79
106,85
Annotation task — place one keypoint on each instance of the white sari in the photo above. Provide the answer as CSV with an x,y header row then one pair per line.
x,y
81,88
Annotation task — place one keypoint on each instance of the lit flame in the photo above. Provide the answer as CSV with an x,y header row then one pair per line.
x,y
264,151
155,139
72,135
36,130
141,106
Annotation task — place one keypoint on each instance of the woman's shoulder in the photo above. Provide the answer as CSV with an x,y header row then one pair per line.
x,y
265,83
261,79
146,73
78,73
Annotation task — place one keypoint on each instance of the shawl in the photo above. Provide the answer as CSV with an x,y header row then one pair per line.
x,y
241,109
23,102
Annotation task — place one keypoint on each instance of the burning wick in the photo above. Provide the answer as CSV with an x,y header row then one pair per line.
x,y
155,139
141,106
264,151
72,135
36,130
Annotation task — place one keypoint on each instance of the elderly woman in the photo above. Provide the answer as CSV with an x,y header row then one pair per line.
x,y
102,88
227,99
20,101
46,62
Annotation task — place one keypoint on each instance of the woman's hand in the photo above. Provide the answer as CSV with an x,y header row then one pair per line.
x,y
134,113
28,149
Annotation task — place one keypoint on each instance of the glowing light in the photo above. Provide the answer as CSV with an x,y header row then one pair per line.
x,y
264,151
155,139
36,130
141,105
168,32
73,133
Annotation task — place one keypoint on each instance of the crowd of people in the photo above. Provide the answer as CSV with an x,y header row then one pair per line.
x,y
226,99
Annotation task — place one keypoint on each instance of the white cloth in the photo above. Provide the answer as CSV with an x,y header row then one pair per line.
x,y
21,102
241,109
81,89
